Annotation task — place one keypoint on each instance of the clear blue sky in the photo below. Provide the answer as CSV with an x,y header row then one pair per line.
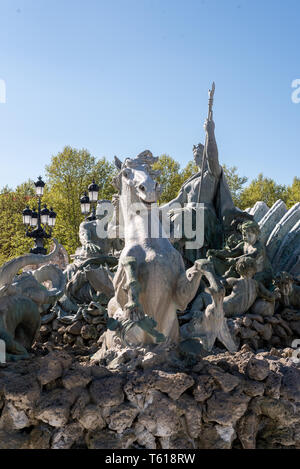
x,y
121,76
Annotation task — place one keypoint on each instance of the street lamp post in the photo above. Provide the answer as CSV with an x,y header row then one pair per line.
x,y
37,221
88,200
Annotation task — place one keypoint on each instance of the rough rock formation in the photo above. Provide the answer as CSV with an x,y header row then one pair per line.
x,y
82,329
264,332
241,400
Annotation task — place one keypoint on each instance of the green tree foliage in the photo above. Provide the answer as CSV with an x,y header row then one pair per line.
x,y
68,176
264,189
293,193
235,183
71,171
13,241
170,177
190,169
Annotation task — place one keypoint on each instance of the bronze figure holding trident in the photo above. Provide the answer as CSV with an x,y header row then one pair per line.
x,y
207,187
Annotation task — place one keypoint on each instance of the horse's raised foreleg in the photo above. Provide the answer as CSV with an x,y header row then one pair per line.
x,y
132,287
136,326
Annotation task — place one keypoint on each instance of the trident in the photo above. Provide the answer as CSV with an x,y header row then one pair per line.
x,y
209,117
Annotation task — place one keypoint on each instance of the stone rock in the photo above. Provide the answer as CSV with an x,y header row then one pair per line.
x,y
247,333
52,366
285,326
273,384
295,326
65,437
257,369
173,384
226,381
123,356
122,417
79,341
275,341
13,418
22,389
81,402
144,437
54,407
204,388
211,407
98,371
178,441
280,331
274,437
45,331
88,331
267,332
161,417
272,320
253,388
50,369
138,391
39,437
246,321
297,435
55,338
152,360
241,359
13,440
91,418
105,439
280,410
258,327
226,408
247,428
192,418
80,376
68,339
216,436
256,317
55,325
107,391
290,386
226,433
74,328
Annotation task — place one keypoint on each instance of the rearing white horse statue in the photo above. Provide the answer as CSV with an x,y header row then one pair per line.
x,y
151,279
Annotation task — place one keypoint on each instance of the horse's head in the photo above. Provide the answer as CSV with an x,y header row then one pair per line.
x,y
136,178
